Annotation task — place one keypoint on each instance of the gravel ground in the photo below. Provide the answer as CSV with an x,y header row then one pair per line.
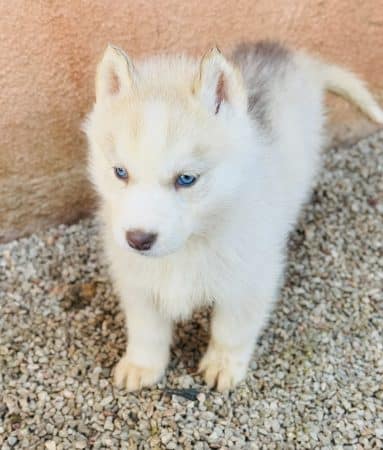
x,y
316,379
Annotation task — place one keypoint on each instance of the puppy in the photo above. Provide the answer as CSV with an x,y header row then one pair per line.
x,y
202,167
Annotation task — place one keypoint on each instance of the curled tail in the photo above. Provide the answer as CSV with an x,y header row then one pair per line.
x,y
346,84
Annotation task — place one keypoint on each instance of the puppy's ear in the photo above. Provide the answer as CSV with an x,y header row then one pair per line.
x,y
115,75
219,83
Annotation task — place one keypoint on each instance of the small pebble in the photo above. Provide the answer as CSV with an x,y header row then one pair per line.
x,y
12,440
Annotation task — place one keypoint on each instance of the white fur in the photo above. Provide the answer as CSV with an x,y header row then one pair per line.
x,y
221,241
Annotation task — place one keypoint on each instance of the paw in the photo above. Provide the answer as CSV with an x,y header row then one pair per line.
x,y
134,377
222,368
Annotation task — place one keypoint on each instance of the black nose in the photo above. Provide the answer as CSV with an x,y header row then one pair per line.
x,y
140,240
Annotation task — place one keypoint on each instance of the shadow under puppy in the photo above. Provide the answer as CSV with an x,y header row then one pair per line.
x,y
202,167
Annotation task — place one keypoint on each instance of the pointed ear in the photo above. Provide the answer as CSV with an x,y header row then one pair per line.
x,y
115,74
219,83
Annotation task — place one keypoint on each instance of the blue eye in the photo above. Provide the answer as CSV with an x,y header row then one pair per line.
x,y
185,180
120,172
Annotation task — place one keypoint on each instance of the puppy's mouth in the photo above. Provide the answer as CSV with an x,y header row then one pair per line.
x,y
154,253
148,253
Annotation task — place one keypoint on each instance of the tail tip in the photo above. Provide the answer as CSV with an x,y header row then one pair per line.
x,y
376,114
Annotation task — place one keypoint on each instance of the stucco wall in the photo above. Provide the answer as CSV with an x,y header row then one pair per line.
x,y
48,52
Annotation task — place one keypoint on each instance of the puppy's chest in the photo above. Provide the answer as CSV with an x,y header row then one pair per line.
x,y
179,288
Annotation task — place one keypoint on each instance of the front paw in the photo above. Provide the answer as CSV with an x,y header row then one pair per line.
x,y
134,377
223,368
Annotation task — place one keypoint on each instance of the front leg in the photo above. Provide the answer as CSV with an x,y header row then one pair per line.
x,y
234,330
237,322
149,339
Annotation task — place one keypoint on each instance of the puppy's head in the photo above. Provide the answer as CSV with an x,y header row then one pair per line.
x,y
164,140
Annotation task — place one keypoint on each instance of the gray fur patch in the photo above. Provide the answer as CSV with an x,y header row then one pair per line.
x,y
261,64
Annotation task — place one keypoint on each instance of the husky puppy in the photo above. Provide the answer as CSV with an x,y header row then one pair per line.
x,y
202,166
